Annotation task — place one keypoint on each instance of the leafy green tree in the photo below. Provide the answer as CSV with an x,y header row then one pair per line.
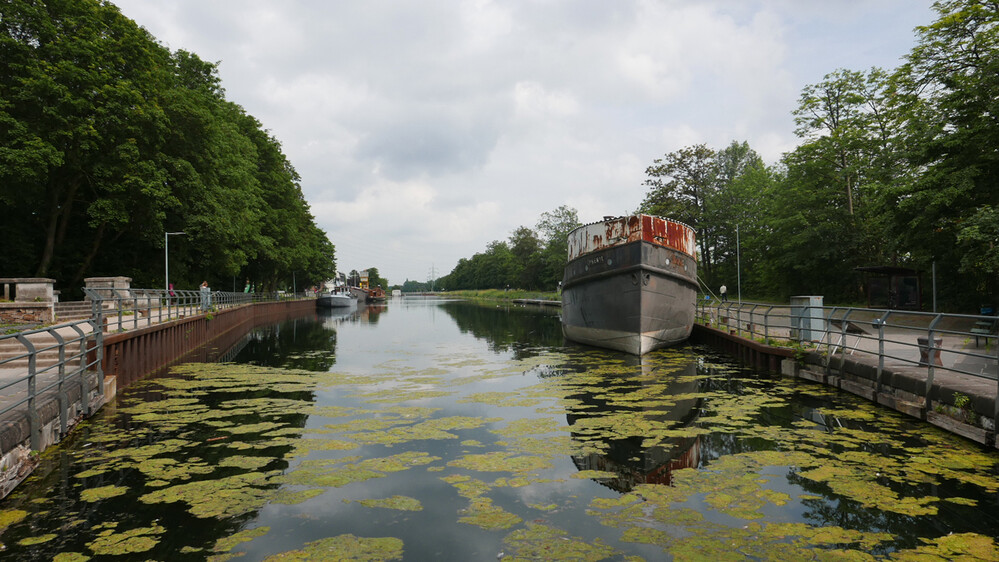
x,y
107,140
949,90
76,113
553,229
528,258
680,184
735,213
375,279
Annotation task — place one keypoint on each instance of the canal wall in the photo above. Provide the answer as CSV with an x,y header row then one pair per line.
x,y
126,357
962,405
134,354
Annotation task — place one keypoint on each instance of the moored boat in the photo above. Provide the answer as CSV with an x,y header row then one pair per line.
x,y
368,295
336,300
336,295
630,283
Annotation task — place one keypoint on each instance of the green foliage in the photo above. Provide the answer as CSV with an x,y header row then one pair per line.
x,y
532,259
895,168
108,139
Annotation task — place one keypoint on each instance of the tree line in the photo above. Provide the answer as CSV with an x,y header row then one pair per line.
x,y
108,140
531,259
894,168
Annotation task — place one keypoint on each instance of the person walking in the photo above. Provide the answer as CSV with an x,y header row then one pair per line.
x,y
206,295
724,293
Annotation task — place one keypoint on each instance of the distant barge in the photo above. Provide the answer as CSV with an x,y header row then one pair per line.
x,y
630,284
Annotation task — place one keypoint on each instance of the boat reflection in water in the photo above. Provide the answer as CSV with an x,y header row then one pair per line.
x,y
670,392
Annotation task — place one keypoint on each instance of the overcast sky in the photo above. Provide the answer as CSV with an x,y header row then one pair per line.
x,y
425,130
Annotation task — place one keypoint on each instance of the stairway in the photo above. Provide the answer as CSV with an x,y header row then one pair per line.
x,y
73,310
11,348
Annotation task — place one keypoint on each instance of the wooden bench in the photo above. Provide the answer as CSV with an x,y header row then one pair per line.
x,y
985,329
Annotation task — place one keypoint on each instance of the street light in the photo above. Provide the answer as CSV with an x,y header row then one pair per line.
x,y
166,256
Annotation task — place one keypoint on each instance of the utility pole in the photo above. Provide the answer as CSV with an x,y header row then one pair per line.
x,y
738,263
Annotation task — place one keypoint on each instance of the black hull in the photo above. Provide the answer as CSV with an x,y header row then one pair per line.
x,y
636,297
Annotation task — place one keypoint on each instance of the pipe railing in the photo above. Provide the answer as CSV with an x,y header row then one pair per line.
x,y
123,309
934,341
49,360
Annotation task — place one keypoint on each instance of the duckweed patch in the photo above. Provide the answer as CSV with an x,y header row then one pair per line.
x,y
403,503
110,543
230,542
103,492
30,541
542,542
345,547
499,461
482,513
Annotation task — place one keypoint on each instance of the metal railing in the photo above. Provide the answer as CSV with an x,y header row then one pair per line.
x,y
73,352
124,309
51,359
963,344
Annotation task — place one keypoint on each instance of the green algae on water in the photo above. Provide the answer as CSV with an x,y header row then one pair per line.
x,y
223,497
404,503
230,542
345,547
109,542
542,542
482,513
499,461
30,541
70,557
103,492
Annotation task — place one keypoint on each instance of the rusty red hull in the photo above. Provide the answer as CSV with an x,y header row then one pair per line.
x,y
630,284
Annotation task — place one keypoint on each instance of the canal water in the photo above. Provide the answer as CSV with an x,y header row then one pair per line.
x,y
445,430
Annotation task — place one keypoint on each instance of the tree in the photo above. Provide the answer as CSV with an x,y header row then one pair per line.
x,y
375,279
679,185
528,258
736,206
107,140
554,228
949,90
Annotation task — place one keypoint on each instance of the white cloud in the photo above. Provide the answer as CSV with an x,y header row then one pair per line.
x,y
424,130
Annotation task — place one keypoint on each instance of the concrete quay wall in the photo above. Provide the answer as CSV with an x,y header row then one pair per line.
x,y
900,387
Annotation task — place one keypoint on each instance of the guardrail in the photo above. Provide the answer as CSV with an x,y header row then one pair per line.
x,y
123,309
959,343
77,349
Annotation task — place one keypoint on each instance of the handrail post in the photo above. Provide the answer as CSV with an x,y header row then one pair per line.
x,y
827,336
34,423
931,350
82,371
881,347
995,414
842,340
61,389
766,324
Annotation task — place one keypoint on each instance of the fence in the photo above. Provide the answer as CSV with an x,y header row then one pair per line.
x,y
123,309
73,355
956,343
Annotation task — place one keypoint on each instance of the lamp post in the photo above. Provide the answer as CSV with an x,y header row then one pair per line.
x,y
166,256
